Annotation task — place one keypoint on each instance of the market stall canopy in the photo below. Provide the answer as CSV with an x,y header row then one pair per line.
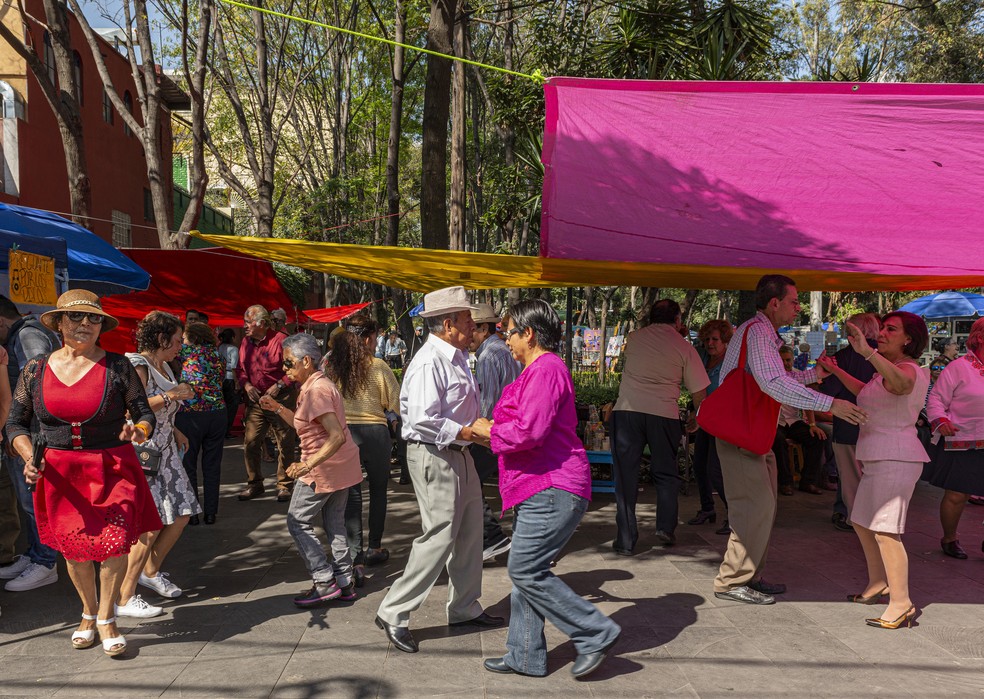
x,y
54,249
223,284
335,313
93,263
842,185
949,304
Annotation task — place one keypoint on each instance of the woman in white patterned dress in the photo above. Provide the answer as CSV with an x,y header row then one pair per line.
x,y
159,340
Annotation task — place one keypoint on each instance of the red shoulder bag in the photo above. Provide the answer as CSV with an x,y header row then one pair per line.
x,y
739,412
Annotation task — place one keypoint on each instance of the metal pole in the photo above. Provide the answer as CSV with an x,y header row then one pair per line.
x,y
569,348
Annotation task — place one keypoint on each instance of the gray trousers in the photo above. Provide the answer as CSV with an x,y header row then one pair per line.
x,y
306,507
450,499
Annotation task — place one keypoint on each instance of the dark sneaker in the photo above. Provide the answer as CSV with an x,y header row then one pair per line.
x,y
767,588
841,523
318,596
665,539
348,593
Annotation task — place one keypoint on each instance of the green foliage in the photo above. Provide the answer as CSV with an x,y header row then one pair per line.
x,y
588,390
295,281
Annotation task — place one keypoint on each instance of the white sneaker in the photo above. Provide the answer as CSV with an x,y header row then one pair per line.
x,y
138,608
12,570
495,549
35,575
161,584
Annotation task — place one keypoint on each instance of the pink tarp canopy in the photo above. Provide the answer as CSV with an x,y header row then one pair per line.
x,y
842,185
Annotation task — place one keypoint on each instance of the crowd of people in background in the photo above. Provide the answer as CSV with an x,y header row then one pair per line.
x,y
110,457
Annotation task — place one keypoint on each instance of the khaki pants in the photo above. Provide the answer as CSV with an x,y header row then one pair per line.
x,y
257,423
450,499
750,481
848,473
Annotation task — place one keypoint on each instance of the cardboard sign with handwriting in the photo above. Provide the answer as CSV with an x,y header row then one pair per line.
x,y
32,279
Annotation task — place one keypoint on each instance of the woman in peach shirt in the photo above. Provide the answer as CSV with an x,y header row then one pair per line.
x,y
329,466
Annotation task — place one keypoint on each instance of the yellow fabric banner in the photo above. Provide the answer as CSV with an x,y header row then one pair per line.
x,y
419,269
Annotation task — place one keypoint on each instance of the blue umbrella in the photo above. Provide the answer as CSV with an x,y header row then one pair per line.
x,y
93,263
949,304
415,311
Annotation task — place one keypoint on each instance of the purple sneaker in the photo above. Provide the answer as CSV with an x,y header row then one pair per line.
x,y
348,593
318,595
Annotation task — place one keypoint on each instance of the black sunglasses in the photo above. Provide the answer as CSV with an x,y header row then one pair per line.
x,y
937,367
78,316
289,364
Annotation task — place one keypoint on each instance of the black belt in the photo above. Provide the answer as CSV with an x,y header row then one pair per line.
x,y
452,447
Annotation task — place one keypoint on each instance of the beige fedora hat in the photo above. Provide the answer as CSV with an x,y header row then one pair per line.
x,y
484,313
448,300
81,301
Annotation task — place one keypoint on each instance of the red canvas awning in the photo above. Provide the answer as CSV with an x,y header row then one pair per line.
x,y
335,313
217,281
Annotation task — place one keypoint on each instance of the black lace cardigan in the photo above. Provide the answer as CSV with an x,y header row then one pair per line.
x,y
123,392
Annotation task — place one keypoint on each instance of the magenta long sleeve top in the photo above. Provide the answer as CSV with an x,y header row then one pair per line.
x,y
534,434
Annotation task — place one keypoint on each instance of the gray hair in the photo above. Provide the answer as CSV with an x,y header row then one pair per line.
x,y
435,324
867,323
279,314
303,345
257,312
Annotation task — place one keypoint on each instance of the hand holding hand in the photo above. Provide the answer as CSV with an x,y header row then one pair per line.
x,y
825,365
182,391
847,411
481,428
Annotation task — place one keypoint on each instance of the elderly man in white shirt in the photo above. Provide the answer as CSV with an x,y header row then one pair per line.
x,y
439,401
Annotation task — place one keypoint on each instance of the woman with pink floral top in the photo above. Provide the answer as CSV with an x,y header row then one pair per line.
x,y
545,476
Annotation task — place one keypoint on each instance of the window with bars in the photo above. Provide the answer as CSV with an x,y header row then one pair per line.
x,y
122,237
49,58
107,108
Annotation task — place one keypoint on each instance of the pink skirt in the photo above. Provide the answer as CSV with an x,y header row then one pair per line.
x,y
883,495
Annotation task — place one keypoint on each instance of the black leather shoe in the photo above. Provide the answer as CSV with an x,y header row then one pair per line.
x,y
724,529
665,538
585,664
498,665
841,523
209,519
376,557
747,595
627,552
767,588
193,520
399,636
953,549
358,575
483,620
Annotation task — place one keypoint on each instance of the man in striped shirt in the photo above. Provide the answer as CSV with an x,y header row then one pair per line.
x,y
749,478
495,369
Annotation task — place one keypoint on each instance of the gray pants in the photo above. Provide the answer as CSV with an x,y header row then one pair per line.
x,y
450,499
305,507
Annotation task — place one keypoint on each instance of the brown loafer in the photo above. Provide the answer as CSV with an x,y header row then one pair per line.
x,y
785,490
251,491
283,495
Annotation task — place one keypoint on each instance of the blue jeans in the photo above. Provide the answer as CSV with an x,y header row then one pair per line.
x,y
543,524
307,507
36,551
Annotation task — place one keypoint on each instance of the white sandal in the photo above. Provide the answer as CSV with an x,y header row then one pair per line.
x,y
110,643
84,639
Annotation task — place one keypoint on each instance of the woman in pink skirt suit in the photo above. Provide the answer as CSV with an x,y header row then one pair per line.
x,y
891,457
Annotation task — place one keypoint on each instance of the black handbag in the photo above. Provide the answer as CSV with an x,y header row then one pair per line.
x,y
149,458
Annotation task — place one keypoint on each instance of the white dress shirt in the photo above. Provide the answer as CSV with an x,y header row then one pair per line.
x,y
439,394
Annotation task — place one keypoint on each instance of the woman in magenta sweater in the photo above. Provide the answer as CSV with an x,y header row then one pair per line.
x,y
544,475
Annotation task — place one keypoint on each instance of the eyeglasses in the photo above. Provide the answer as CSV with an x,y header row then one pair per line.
x,y
937,367
510,333
289,364
79,316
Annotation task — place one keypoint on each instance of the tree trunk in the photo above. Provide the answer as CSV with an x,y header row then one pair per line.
x,y
434,158
816,310
459,134
195,77
746,307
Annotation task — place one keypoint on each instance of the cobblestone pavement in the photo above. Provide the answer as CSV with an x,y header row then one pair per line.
x,y
236,633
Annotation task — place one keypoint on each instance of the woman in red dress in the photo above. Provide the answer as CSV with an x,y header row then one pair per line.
x,y
91,500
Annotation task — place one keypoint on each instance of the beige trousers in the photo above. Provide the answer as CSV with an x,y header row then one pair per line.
x,y
848,473
449,495
750,482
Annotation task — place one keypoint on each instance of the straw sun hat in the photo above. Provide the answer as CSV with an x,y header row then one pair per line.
x,y
78,300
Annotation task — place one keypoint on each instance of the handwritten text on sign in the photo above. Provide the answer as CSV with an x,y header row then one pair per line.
x,y
32,279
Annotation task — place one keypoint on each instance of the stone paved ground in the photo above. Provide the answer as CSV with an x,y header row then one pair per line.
x,y
236,634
